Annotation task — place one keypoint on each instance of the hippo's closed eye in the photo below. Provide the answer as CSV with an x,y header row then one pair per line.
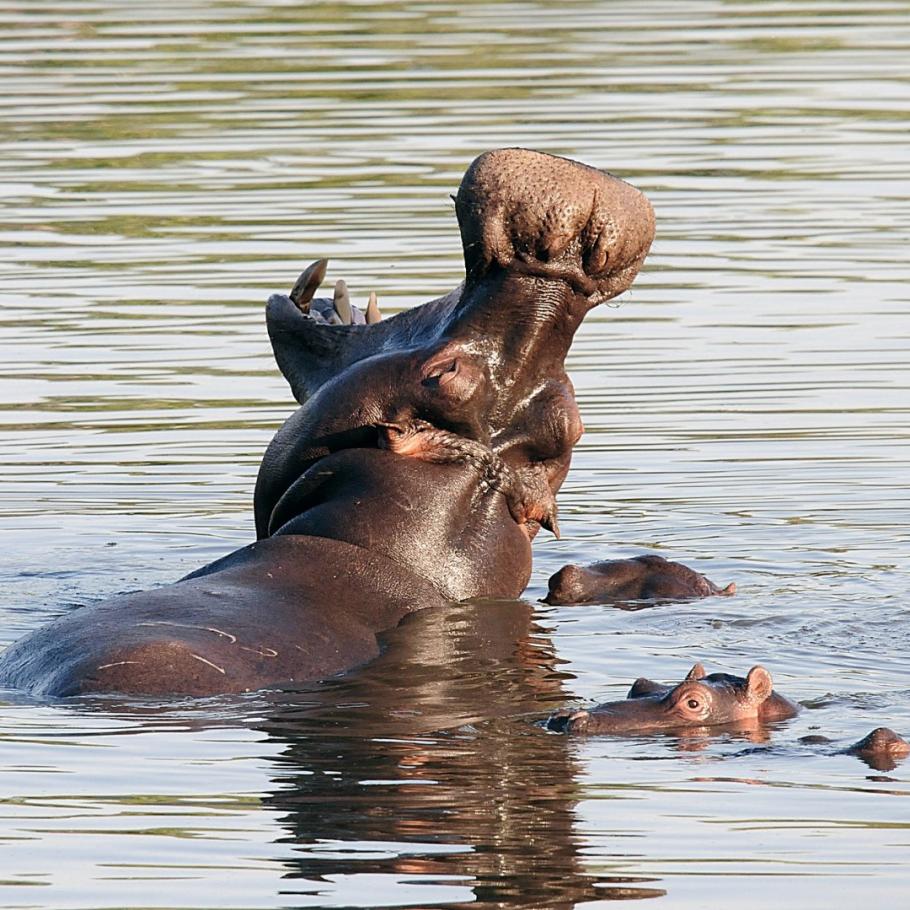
x,y
460,377
440,373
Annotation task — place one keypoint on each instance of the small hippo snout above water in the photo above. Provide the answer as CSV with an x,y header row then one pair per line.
x,y
700,700
647,577
881,749
881,741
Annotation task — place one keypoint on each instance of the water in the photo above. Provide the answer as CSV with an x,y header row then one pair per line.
x,y
164,167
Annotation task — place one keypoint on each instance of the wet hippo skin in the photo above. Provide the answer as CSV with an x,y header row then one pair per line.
x,y
714,700
882,749
425,456
700,700
626,581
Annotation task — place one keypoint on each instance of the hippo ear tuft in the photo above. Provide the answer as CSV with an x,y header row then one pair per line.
x,y
697,672
759,685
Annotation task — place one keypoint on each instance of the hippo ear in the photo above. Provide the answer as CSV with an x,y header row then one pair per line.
x,y
758,685
697,672
643,687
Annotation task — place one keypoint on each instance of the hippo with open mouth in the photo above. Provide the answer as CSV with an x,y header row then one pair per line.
x,y
425,456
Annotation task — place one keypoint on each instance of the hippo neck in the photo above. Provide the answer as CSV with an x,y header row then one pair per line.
x,y
436,521
542,335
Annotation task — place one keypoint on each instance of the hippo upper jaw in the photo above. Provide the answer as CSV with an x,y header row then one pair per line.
x,y
544,240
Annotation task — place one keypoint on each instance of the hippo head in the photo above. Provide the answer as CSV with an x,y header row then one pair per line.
x,y
881,750
441,435
700,700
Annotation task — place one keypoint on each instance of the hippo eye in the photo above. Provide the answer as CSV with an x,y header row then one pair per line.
x,y
439,372
693,703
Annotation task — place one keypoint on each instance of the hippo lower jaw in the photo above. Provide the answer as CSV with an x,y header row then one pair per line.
x,y
530,501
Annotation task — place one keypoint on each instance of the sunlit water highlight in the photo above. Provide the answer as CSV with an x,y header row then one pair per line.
x,y
164,167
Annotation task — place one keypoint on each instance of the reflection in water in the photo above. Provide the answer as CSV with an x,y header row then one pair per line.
x,y
423,749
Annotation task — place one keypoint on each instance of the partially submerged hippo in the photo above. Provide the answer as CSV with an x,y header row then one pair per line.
x,y
881,749
627,581
424,458
700,700
717,699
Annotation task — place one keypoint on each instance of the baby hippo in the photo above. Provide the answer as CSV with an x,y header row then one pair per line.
x,y
623,580
882,749
698,701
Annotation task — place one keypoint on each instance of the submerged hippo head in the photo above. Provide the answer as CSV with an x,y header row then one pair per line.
x,y
630,582
700,700
460,407
882,749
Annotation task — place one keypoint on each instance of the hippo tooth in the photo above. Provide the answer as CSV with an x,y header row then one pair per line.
x,y
553,524
342,303
307,284
373,314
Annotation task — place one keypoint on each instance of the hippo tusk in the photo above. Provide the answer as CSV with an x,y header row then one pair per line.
x,y
307,284
373,315
342,303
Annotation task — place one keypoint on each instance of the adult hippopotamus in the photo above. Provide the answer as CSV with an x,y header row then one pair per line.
x,y
425,456
700,700
630,582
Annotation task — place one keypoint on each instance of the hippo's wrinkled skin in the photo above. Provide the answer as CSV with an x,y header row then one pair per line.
x,y
700,700
627,581
425,455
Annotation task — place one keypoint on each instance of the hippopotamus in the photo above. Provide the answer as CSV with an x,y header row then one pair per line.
x,y
707,700
627,581
425,455
881,749
700,700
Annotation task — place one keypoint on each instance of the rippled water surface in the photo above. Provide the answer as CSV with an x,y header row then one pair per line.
x,y
165,166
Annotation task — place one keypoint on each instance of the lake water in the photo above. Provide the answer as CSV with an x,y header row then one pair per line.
x,y
165,166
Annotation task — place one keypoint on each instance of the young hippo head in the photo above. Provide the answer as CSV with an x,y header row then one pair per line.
x,y
882,749
626,581
698,701
545,239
